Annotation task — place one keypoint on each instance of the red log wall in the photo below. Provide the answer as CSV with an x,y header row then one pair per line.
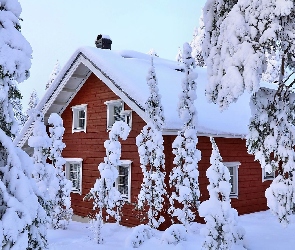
x,y
89,146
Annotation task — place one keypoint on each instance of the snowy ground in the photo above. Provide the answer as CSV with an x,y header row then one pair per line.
x,y
262,232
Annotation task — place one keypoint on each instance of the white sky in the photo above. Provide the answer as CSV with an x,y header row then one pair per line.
x,y
55,29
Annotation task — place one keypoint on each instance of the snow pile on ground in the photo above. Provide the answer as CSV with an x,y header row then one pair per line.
x,y
262,232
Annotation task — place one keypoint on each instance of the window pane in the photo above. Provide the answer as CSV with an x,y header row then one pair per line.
x,y
75,175
117,115
123,180
81,113
81,122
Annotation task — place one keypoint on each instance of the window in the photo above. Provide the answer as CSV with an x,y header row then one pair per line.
x,y
267,176
123,182
79,118
233,171
74,173
116,112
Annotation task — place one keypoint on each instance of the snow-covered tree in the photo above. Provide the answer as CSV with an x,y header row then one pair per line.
x,y
196,43
152,52
238,55
184,176
152,159
221,230
21,216
15,97
53,74
247,37
62,211
104,194
272,139
34,100
179,55
44,173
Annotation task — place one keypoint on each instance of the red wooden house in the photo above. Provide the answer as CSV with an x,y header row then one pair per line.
x,y
99,86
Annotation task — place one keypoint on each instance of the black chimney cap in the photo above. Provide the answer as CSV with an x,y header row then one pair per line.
x,y
103,42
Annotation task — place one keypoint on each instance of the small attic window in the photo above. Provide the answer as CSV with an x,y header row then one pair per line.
x,y
116,112
79,118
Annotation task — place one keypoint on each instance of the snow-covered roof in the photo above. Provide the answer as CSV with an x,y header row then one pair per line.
x,y
124,72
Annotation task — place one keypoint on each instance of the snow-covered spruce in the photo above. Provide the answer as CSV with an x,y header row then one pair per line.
x,y
61,212
152,159
139,235
271,139
22,219
221,230
53,74
174,234
196,43
184,176
152,52
44,173
34,100
104,194
178,57
15,98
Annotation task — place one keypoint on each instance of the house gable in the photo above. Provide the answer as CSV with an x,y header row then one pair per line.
x,y
90,145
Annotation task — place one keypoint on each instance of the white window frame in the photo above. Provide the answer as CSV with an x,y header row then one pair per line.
x,y
127,164
235,188
267,176
67,171
76,109
110,113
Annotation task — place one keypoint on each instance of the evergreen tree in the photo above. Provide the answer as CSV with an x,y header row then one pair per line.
x,y
62,211
21,215
222,230
53,74
15,98
104,194
179,55
184,176
44,173
152,159
34,100
152,52
272,139
250,35
197,42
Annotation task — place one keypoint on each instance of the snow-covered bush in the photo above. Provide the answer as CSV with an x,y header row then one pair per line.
x,y
104,194
271,139
221,230
22,219
139,235
44,173
184,176
152,159
62,212
174,234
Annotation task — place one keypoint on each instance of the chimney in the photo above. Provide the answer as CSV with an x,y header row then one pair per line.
x,y
103,42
